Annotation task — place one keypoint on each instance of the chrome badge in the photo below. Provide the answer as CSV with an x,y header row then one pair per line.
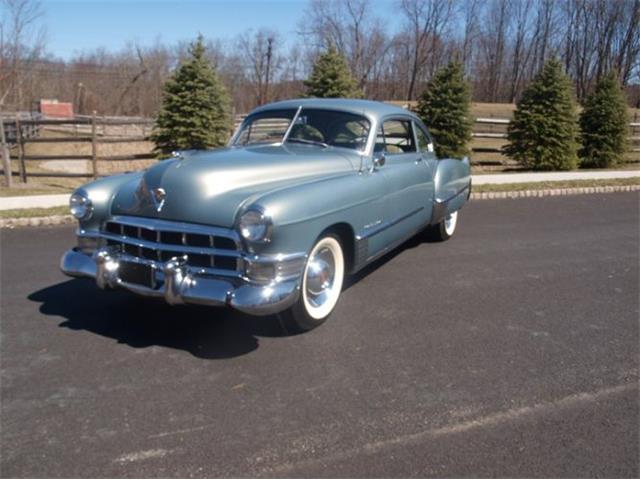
x,y
158,195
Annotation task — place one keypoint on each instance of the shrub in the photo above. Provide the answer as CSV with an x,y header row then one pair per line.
x,y
544,130
331,78
195,111
444,107
604,125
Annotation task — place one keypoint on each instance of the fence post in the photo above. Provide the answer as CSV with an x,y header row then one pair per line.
x,y
6,159
20,145
94,146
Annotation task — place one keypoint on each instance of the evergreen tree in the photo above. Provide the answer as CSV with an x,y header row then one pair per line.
x,y
604,125
544,130
444,107
331,78
195,111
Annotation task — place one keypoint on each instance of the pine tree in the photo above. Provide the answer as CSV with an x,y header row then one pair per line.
x,y
604,125
195,111
331,78
544,131
444,107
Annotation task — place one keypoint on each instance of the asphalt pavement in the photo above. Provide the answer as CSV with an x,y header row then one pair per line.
x,y
510,350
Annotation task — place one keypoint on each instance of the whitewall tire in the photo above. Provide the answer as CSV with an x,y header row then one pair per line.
x,y
445,229
321,285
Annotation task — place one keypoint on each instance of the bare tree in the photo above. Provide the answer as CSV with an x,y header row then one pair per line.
x,y
260,52
22,41
472,13
495,34
427,22
521,40
601,36
349,26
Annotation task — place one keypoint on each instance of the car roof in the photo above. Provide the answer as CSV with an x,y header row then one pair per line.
x,y
368,108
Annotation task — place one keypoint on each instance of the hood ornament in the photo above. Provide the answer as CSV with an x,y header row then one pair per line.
x,y
158,195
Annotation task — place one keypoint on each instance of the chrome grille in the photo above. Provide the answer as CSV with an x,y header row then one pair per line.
x,y
210,249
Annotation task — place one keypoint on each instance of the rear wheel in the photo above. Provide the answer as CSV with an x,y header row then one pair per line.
x,y
322,281
445,229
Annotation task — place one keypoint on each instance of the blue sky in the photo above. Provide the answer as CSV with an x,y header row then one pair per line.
x,y
77,25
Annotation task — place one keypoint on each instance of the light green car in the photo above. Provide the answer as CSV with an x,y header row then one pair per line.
x,y
307,192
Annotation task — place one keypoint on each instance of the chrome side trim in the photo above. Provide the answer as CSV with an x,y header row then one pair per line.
x,y
455,194
361,254
385,225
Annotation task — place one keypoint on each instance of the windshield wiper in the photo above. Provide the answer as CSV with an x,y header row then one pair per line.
x,y
308,142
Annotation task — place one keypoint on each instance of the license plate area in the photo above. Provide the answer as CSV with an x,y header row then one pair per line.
x,y
137,273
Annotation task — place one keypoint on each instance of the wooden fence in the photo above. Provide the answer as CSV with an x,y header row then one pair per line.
x,y
18,132
492,123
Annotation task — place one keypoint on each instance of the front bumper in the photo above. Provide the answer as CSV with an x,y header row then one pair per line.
x,y
179,284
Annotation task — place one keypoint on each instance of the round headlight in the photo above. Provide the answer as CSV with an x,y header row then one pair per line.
x,y
80,206
255,226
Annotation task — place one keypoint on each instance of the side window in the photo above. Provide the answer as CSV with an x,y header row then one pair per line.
x,y
424,143
395,136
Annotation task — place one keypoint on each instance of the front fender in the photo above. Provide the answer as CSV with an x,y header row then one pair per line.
x,y
301,213
101,193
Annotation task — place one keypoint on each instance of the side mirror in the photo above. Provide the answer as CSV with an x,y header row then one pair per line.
x,y
378,161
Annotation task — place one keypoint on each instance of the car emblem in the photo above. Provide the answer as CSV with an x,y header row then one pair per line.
x,y
158,195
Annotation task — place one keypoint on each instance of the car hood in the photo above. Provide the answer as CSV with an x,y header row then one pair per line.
x,y
209,187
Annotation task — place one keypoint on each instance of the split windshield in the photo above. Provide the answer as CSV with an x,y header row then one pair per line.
x,y
311,126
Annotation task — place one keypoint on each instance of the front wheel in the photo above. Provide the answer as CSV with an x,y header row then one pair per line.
x,y
322,280
445,229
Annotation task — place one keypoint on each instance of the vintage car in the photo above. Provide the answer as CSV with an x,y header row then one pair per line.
x,y
306,192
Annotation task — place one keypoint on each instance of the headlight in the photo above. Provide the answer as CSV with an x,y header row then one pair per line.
x,y
255,226
80,206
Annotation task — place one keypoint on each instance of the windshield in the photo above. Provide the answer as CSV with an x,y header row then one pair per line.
x,y
311,126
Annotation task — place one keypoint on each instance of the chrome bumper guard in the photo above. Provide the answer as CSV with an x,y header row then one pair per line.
x,y
179,284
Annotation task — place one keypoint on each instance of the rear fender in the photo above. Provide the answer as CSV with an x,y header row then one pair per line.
x,y
452,182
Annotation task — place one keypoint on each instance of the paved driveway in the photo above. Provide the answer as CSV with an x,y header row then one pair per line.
x,y
511,350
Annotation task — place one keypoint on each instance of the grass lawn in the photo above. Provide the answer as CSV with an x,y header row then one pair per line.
x,y
34,212
35,188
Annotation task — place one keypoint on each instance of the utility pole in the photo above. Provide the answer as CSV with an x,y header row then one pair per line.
x,y
269,54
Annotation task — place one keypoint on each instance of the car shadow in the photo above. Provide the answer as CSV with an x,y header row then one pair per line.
x,y
205,332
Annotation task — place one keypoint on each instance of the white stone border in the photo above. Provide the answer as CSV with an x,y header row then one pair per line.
x,y
553,192
550,192
36,221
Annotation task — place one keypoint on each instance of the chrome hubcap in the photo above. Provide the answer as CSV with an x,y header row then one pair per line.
x,y
320,277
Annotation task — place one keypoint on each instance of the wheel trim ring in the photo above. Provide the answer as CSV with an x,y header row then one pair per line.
x,y
313,307
450,222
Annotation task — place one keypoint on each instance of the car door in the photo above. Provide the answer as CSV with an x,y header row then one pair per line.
x,y
425,146
409,178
